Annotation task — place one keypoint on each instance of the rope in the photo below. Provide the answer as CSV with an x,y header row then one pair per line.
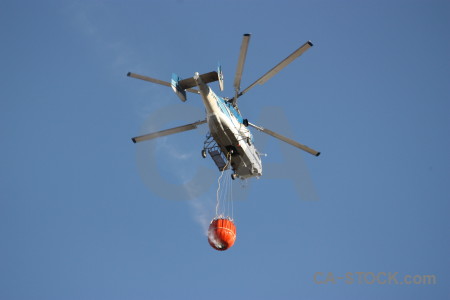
x,y
226,187
231,198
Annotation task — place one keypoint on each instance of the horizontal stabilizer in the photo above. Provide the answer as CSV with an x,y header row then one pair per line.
x,y
206,78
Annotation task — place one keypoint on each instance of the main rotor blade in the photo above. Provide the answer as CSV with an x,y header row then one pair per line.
x,y
154,80
167,132
285,139
280,66
241,62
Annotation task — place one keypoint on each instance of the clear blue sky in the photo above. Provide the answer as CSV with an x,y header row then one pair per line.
x,y
78,221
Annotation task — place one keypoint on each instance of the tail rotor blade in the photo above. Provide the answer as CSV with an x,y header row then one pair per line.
x,y
286,140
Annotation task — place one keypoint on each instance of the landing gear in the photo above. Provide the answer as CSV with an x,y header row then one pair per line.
x,y
233,176
249,141
204,153
245,122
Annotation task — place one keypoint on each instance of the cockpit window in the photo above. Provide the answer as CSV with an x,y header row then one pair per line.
x,y
235,112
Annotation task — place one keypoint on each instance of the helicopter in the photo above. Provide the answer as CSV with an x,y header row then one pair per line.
x,y
229,141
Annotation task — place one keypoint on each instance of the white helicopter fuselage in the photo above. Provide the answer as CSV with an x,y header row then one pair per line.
x,y
232,136
230,142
